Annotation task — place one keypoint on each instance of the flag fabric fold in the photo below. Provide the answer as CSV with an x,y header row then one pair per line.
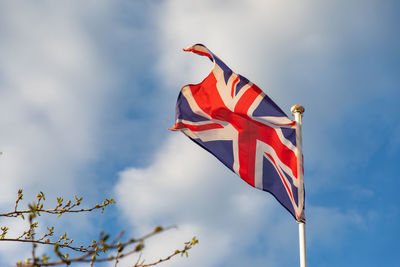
x,y
242,127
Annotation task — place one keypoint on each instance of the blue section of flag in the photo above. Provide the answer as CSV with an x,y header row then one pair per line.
x,y
289,134
184,112
222,150
272,183
268,108
242,82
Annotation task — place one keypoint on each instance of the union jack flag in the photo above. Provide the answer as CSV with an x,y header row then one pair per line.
x,y
241,126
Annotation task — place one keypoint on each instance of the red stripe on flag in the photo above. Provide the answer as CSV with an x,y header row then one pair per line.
x,y
233,85
281,175
197,52
247,148
247,100
196,128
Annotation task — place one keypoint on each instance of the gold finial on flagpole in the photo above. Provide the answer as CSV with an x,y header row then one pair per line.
x,y
297,109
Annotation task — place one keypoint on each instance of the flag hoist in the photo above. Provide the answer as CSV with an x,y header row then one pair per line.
x,y
235,121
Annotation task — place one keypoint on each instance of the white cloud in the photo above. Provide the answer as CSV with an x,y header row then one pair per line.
x,y
53,86
53,90
186,186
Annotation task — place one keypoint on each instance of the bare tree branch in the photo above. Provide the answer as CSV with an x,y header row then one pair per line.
x,y
97,251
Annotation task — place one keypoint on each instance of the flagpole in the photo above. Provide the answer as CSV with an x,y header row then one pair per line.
x,y
297,112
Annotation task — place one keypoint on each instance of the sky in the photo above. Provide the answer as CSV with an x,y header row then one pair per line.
x,y
88,90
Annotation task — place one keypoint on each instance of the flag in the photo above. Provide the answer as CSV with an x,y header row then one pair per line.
x,y
241,126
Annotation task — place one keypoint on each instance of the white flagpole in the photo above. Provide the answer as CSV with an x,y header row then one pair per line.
x,y
298,111
302,242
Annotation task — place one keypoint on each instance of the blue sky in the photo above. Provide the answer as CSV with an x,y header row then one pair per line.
x,y
88,90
